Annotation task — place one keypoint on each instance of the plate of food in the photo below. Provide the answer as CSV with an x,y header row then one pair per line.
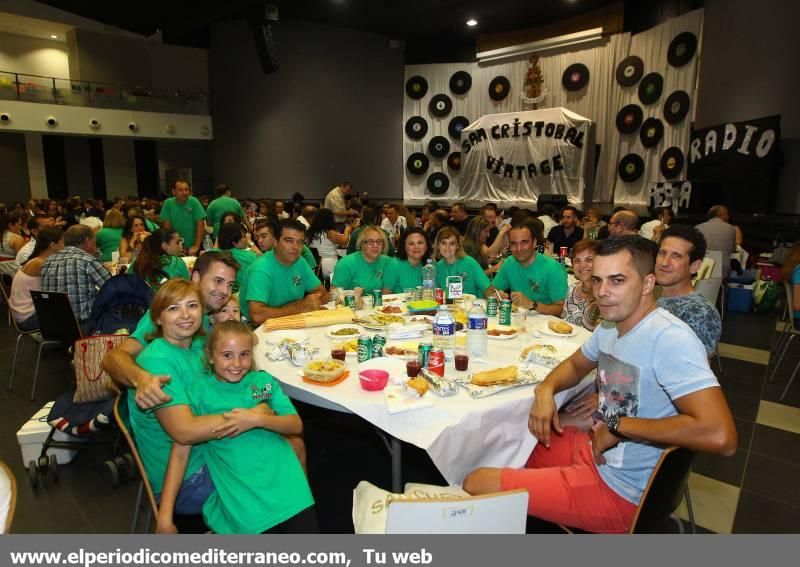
x,y
502,332
324,372
389,309
558,328
295,335
380,322
423,319
401,351
343,331
490,382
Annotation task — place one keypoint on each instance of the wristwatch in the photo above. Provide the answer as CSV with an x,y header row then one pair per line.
x,y
612,422
535,306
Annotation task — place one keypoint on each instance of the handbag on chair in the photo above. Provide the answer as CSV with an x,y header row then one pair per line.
x,y
94,383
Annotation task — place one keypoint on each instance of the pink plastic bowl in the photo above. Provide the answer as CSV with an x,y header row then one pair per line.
x,y
373,379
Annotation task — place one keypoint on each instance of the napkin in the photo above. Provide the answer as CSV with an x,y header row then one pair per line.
x,y
411,331
398,401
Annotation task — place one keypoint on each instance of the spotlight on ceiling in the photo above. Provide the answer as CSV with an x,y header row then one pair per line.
x,y
472,22
53,36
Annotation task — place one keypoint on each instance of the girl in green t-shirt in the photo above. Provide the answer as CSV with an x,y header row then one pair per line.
x,y
159,259
277,499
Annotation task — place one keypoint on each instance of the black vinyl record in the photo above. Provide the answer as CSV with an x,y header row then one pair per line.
x,y
499,88
676,107
454,161
672,162
629,71
438,183
438,147
629,118
417,163
575,77
650,88
681,49
416,127
457,124
651,132
631,168
440,105
460,82
416,87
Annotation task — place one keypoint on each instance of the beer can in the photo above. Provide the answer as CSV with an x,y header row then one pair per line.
x,y
423,353
438,295
491,306
378,342
377,297
436,361
364,348
350,300
505,312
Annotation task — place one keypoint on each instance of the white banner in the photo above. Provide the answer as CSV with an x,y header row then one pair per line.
x,y
515,157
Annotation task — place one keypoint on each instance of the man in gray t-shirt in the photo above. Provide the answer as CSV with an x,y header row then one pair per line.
x,y
679,257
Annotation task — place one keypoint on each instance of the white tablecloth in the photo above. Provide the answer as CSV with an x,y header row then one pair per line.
x,y
458,432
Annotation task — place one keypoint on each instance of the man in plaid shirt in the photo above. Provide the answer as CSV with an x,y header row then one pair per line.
x,y
76,271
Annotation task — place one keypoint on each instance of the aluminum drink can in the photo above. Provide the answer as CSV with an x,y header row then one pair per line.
x,y
378,342
423,353
436,361
377,297
350,300
364,348
505,312
438,295
563,252
491,307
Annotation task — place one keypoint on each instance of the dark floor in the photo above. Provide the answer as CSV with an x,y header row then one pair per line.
x,y
343,451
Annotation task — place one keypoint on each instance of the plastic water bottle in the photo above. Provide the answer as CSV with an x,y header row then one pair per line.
x,y
429,277
444,332
477,331
208,244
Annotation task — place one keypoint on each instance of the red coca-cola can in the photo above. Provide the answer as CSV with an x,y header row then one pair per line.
x,y
438,295
436,361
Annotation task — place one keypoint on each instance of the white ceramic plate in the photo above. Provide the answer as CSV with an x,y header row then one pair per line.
x,y
330,330
504,337
275,337
545,330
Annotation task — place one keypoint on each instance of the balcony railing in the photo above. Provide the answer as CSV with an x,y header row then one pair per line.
x,y
36,88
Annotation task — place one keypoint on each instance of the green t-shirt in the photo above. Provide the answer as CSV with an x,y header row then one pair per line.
x,y
245,259
151,226
351,244
258,480
475,281
401,275
272,283
183,218
174,267
147,327
308,256
543,281
219,207
353,271
184,365
108,242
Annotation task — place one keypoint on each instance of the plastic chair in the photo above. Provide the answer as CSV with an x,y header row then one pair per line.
x,y
8,498
122,417
58,325
709,288
706,268
498,513
32,334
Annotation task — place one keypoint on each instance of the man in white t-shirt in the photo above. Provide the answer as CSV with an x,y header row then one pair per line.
x,y
656,390
336,200
394,224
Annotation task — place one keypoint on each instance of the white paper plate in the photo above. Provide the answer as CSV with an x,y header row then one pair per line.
x,y
275,337
329,331
403,310
503,328
545,330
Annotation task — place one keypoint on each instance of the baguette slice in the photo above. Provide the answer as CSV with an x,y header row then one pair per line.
x,y
560,327
505,375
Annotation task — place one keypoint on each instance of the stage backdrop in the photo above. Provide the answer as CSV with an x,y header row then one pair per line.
x,y
515,157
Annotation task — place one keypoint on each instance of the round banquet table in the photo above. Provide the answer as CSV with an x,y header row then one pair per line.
x,y
459,433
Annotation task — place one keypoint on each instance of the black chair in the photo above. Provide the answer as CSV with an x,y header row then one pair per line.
x,y
33,334
58,325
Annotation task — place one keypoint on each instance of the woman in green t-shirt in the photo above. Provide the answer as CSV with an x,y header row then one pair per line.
x,y
133,235
455,262
234,238
159,259
366,269
413,251
109,236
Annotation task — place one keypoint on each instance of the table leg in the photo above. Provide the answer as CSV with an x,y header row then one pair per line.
x,y
396,452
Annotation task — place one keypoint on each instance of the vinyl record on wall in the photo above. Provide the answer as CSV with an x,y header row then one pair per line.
x,y
460,82
631,168
440,105
417,163
629,118
416,87
681,49
676,107
438,183
454,161
671,162
629,71
457,124
499,88
651,132
650,88
575,77
416,127
438,147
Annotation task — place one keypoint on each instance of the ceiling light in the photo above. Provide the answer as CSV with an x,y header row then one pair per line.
x,y
472,22
53,36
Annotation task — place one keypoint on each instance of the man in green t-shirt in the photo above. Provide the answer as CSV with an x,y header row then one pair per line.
x,y
264,231
280,283
184,214
214,273
224,203
536,281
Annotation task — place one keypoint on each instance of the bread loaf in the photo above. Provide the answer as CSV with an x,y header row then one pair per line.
x,y
505,375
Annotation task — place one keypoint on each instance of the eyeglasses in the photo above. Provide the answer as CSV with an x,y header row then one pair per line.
x,y
373,242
